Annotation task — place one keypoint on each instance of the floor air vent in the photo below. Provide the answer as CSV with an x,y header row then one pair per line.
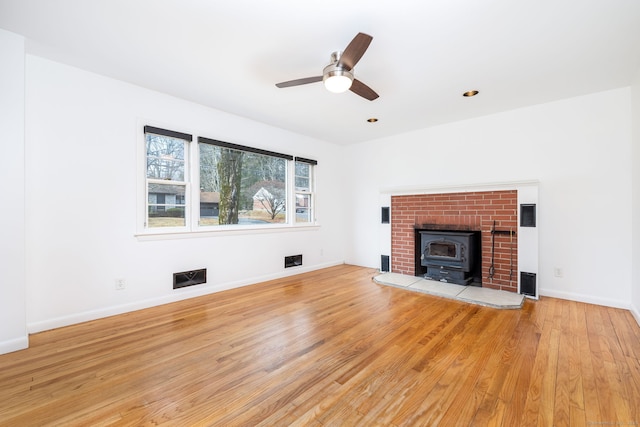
x,y
292,261
189,278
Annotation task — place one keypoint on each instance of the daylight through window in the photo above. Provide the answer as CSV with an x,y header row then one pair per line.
x,y
304,190
233,185
240,185
166,178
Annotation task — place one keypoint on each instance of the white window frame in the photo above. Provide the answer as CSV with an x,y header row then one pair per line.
x,y
311,192
192,197
187,138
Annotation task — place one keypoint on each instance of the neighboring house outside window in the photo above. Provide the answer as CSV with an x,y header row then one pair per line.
x,y
209,204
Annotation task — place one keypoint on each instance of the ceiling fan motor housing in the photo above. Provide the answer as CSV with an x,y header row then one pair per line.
x,y
336,78
335,70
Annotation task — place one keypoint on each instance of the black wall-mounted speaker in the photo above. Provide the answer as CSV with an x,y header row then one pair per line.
x,y
385,214
528,215
528,284
384,263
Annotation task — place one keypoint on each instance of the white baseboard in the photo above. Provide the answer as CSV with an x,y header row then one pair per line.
x,y
178,295
585,298
15,344
636,313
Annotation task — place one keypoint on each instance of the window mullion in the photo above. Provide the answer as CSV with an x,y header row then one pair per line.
x,y
291,192
194,192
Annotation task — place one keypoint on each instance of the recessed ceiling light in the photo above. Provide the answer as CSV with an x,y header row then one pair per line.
x,y
372,120
470,93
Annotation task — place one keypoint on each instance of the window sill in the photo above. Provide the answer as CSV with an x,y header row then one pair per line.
x,y
235,231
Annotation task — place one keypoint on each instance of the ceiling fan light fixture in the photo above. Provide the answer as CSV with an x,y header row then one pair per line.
x,y
336,79
337,84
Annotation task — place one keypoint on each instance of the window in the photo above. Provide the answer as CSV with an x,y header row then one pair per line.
x,y
227,185
241,185
166,182
304,190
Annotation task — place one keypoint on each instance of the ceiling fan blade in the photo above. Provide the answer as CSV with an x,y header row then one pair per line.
x,y
299,82
363,90
354,51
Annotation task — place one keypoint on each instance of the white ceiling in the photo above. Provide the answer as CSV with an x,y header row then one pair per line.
x,y
424,54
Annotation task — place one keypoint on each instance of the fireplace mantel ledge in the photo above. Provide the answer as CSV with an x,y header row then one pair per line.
x,y
458,188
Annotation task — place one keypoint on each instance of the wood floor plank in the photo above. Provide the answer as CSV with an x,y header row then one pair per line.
x,y
600,355
589,387
562,403
532,411
576,394
330,348
553,401
515,393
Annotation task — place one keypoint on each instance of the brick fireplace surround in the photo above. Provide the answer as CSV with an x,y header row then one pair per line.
x,y
474,211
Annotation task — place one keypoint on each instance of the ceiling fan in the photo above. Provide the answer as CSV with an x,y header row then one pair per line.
x,y
338,75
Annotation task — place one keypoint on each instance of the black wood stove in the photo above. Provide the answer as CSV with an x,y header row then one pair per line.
x,y
449,256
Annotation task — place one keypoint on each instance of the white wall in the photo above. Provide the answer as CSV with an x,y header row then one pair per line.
x,y
579,150
635,284
81,136
13,332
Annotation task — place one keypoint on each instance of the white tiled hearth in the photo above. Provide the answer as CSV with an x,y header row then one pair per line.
x,y
472,294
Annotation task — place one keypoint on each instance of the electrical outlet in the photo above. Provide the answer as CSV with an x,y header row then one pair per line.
x,y
557,271
120,284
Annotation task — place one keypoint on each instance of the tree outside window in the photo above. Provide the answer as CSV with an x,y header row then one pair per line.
x,y
250,186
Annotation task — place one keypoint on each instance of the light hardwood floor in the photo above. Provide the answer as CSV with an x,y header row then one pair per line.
x,y
331,348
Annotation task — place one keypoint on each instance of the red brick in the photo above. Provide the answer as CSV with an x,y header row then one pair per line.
x,y
477,210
